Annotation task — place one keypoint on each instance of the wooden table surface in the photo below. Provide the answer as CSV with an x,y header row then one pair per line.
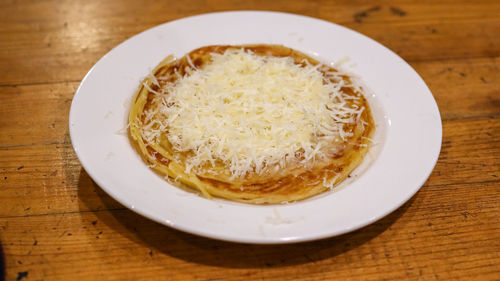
x,y
57,224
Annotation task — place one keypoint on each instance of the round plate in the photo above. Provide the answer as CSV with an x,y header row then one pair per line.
x,y
407,143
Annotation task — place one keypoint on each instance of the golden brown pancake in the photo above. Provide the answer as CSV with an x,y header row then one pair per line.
x,y
292,179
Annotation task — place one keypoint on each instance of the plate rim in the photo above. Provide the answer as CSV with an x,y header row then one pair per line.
x,y
232,238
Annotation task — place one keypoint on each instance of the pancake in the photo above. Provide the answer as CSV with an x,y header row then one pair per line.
x,y
261,124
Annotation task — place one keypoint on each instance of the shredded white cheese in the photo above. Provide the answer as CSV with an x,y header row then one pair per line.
x,y
249,112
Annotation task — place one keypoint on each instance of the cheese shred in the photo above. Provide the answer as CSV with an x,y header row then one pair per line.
x,y
249,112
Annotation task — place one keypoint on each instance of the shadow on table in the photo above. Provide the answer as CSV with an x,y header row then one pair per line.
x,y
164,240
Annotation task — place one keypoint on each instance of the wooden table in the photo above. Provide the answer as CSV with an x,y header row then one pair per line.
x,y
57,224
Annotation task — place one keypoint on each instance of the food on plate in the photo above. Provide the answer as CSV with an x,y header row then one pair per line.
x,y
260,124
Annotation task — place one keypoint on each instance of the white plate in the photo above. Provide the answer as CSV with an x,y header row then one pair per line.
x,y
408,131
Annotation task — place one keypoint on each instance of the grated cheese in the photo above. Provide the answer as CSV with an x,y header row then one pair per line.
x,y
250,112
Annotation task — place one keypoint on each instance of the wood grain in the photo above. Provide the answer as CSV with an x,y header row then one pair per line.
x,y
47,178
120,244
76,34
57,224
35,114
462,88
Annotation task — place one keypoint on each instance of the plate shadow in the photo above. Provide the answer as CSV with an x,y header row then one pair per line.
x,y
161,239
